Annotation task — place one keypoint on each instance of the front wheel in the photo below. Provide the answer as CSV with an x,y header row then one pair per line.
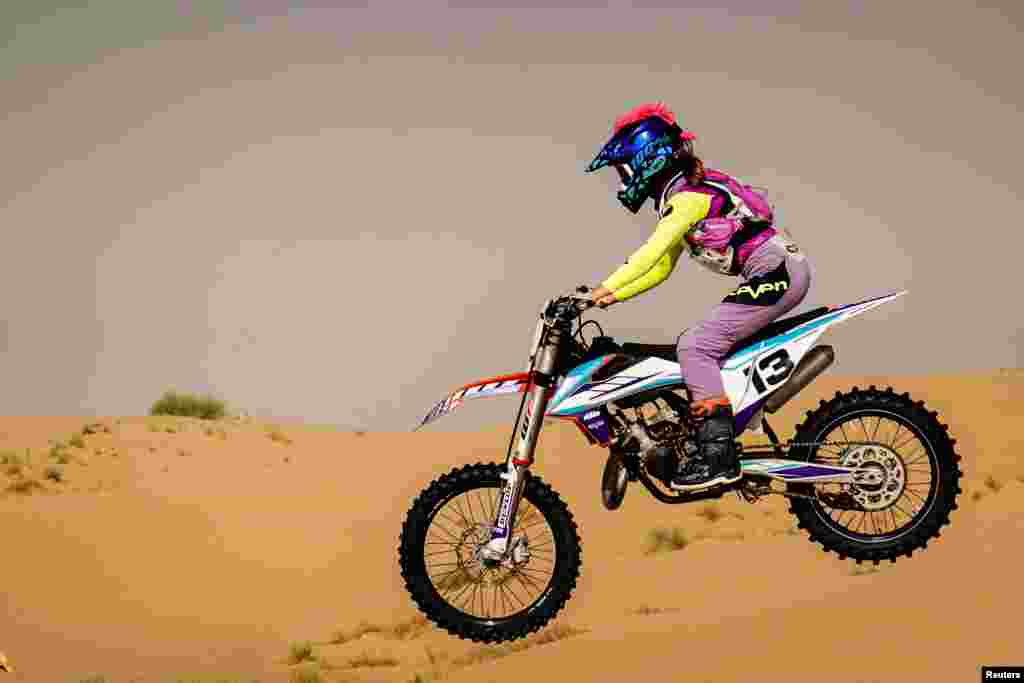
x,y
913,456
474,599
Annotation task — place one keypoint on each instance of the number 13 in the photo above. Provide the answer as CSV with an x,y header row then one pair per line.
x,y
778,364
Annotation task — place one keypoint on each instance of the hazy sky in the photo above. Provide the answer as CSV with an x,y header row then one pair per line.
x,y
341,211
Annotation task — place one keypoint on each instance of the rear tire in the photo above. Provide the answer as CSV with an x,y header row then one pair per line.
x,y
412,543
939,448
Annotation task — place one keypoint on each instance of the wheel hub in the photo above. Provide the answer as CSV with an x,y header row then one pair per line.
x,y
474,548
881,479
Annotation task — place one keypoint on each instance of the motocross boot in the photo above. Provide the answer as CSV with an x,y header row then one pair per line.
x,y
716,463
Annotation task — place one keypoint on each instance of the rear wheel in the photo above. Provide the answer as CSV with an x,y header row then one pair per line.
x,y
474,599
917,470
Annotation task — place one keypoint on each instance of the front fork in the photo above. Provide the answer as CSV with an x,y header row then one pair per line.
x,y
521,456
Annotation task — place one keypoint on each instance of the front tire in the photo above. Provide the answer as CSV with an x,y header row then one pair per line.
x,y
465,622
831,419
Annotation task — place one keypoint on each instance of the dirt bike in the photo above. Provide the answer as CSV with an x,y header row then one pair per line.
x,y
491,553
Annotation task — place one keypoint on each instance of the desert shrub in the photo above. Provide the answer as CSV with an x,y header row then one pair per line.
x,y
300,652
189,405
58,453
11,458
659,540
305,674
54,474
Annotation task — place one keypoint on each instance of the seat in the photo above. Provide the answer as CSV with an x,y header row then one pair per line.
x,y
665,351
668,351
776,327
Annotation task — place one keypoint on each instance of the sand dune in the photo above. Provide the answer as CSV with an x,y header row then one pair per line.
x,y
171,548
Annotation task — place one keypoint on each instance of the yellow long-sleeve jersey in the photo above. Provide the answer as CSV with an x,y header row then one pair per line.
x,y
651,264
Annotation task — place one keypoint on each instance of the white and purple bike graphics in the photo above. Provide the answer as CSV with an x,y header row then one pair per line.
x,y
491,553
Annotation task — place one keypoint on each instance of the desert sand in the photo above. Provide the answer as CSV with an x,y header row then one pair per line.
x,y
173,549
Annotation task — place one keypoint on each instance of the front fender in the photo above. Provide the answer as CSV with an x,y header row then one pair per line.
x,y
495,386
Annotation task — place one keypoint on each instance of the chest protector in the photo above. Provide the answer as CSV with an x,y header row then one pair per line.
x,y
722,243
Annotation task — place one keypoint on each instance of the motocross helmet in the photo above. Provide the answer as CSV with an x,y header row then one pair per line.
x,y
644,145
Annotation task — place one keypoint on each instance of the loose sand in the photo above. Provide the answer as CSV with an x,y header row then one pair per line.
x,y
174,550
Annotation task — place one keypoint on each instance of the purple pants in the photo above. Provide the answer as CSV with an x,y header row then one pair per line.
x,y
775,281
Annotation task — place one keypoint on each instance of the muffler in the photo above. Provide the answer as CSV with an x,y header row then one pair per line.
x,y
809,367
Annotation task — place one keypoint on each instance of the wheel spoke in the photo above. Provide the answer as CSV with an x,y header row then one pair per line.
x,y
892,434
450,553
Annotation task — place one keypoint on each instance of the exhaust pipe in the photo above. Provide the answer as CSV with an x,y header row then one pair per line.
x,y
810,366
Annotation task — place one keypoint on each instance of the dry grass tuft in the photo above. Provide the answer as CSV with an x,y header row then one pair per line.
x,y
407,629
218,433
305,674
24,487
95,428
341,636
14,464
645,611
189,405
410,628
301,652
666,540
486,653
76,441
54,474
711,513
993,484
10,458
277,436
58,453
366,660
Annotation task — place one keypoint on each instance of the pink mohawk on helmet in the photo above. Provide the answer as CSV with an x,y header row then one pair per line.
x,y
644,111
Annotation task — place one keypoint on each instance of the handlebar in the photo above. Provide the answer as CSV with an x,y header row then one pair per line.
x,y
568,306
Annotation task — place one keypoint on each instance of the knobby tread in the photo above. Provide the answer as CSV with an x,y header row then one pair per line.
x,y
411,556
948,475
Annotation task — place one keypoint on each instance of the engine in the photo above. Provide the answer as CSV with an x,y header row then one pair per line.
x,y
656,433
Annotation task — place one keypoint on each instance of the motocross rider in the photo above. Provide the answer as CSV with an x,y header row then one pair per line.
x,y
727,227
